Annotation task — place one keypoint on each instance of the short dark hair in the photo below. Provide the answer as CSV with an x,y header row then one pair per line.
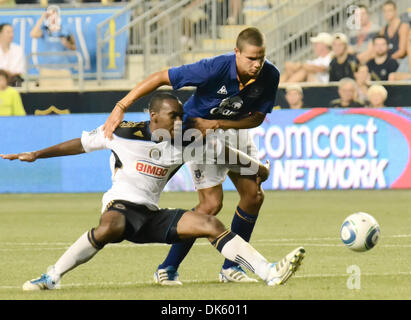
x,y
157,99
3,73
379,36
391,3
251,36
363,6
357,68
2,25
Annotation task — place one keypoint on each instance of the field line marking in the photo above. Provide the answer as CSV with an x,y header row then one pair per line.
x,y
259,244
136,283
197,243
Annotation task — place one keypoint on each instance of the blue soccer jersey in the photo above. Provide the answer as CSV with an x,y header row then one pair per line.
x,y
218,94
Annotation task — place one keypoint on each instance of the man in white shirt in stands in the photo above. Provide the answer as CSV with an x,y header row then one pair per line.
x,y
315,70
11,55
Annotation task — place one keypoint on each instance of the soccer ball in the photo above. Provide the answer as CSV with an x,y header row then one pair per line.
x,y
360,232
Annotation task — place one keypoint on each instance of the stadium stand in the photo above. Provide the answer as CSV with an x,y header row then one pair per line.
x,y
140,37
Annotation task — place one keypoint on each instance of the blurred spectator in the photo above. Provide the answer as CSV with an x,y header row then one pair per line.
x,y
54,35
193,14
7,3
395,76
396,33
11,56
377,95
313,70
235,7
10,100
294,96
361,40
344,64
382,65
347,91
362,78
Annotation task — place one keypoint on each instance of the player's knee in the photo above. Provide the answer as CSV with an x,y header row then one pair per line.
x,y
254,198
111,228
213,226
211,208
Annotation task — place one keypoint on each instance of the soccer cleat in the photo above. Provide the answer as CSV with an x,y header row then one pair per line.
x,y
45,282
234,274
167,277
282,271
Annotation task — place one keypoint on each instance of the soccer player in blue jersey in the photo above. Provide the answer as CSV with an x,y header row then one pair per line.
x,y
234,91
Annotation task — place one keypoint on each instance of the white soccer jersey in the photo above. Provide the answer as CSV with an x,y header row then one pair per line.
x,y
140,167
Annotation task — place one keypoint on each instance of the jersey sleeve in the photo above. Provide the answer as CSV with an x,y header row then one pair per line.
x,y
268,99
195,74
94,140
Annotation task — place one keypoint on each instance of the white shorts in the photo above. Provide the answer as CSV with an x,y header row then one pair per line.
x,y
207,175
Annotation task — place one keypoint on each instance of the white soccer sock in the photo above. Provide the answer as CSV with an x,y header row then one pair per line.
x,y
236,249
80,252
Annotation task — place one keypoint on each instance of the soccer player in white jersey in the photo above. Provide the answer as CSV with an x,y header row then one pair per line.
x,y
141,168
233,91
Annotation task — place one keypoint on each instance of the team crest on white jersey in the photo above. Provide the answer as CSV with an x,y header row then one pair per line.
x,y
223,90
198,175
155,154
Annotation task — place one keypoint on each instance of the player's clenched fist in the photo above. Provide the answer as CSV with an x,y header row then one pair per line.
x,y
264,171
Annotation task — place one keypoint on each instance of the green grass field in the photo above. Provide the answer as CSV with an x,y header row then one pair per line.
x,y
36,229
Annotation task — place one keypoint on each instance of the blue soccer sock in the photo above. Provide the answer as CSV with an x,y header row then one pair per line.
x,y
177,253
243,225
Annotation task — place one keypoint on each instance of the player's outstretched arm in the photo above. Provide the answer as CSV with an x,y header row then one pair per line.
x,y
251,121
262,171
142,89
67,148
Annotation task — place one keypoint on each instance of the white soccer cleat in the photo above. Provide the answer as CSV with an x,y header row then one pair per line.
x,y
282,271
167,277
234,274
45,282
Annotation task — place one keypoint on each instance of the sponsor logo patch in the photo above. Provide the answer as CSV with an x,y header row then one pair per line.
x,y
150,169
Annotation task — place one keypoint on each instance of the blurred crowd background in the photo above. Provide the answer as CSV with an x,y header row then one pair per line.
x,y
359,50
